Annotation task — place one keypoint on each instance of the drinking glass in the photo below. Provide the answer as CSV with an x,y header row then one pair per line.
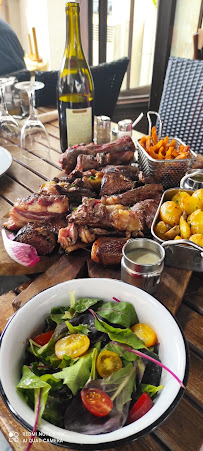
x,y
34,138
9,128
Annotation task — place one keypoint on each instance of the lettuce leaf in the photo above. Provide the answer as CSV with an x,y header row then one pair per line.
x,y
151,390
122,313
120,335
30,381
76,376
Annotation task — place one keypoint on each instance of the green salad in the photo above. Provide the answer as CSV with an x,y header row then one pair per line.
x,y
93,369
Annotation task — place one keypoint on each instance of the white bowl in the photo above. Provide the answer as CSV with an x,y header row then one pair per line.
x,y
28,319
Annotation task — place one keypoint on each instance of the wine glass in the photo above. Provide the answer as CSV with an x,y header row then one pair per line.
x,y
34,138
9,128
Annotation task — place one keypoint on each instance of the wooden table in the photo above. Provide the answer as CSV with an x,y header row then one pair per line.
x,y
178,291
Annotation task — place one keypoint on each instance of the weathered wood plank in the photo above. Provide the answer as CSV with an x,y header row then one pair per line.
x,y
23,175
11,189
192,325
194,294
172,287
67,268
194,387
4,206
183,429
40,167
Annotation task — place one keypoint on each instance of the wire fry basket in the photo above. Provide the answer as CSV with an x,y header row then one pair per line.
x,y
167,172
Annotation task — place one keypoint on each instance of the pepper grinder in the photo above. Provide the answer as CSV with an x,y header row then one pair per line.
x,y
103,129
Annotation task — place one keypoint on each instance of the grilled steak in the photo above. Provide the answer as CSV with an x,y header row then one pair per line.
x,y
38,236
146,210
94,214
113,181
134,195
69,158
107,250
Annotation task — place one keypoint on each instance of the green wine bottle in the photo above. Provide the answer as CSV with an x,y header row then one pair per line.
x,y
75,86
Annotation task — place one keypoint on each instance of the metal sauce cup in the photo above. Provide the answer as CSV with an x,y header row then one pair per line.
x,y
192,180
144,276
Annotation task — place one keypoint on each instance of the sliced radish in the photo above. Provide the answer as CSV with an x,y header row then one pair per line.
x,y
21,253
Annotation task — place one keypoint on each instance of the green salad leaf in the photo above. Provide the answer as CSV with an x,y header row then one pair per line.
x,y
83,328
84,303
151,390
76,376
123,354
120,335
30,381
122,313
120,385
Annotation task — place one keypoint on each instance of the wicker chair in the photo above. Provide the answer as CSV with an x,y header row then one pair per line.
x,y
107,79
181,106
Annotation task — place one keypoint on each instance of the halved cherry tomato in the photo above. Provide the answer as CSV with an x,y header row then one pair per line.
x,y
43,339
142,406
73,345
145,333
107,363
96,401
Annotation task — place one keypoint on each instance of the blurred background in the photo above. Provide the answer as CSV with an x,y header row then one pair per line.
x,y
147,31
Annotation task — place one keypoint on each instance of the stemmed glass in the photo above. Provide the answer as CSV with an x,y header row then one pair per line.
x,y
9,128
34,138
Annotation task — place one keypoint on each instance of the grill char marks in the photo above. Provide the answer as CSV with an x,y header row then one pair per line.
x,y
129,198
146,210
121,150
38,236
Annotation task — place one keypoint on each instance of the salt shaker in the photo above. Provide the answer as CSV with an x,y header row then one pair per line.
x,y
125,128
103,129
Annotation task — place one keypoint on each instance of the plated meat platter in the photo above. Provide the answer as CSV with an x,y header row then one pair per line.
x,y
103,200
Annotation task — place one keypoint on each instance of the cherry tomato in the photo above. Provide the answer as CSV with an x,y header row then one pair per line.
x,y
143,404
73,345
145,333
96,401
107,363
43,339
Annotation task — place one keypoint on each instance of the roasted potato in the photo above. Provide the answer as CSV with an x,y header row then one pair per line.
x,y
197,238
160,229
185,231
195,221
198,196
187,203
170,213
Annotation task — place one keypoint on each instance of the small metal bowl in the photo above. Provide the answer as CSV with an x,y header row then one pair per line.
x,y
192,180
144,276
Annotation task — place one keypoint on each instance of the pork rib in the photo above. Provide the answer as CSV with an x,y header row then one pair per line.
x,y
36,208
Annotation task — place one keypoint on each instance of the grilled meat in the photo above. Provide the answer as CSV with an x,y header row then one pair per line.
x,y
99,160
38,236
146,210
69,158
107,250
94,214
68,235
74,191
36,208
135,195
113,181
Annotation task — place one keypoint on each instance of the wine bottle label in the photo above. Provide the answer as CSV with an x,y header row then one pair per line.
x,y
79,125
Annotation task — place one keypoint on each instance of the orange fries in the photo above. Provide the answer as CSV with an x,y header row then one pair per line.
x,y
163,149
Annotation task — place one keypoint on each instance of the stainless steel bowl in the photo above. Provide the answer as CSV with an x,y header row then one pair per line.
x,y
182,254
192,180
144,276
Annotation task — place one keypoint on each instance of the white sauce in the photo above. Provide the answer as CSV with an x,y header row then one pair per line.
x,y
143,256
